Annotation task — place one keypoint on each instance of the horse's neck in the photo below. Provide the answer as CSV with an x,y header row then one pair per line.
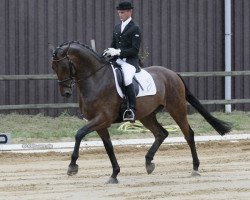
x,y
99,80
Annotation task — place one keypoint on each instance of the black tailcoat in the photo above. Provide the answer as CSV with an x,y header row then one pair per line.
x,y
128,41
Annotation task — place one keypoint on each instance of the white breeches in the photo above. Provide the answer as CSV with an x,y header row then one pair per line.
x,y
128,71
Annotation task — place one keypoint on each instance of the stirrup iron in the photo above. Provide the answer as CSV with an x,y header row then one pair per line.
x,y
129,112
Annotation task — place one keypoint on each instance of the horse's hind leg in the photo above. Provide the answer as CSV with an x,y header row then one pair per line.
x,y
191,143
160,134
180,117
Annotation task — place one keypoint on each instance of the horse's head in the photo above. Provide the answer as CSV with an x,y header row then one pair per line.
x,y
64,68
74,62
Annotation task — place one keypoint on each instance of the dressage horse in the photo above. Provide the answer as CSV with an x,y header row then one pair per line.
x,y
99,102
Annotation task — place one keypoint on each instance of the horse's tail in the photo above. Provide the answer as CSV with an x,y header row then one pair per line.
x,y
220,126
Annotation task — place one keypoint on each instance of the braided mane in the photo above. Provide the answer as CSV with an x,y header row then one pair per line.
x,y
76,42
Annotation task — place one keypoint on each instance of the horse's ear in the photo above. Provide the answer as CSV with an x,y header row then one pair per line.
x,y
51,48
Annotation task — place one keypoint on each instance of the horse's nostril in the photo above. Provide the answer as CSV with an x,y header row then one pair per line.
x,y
67,94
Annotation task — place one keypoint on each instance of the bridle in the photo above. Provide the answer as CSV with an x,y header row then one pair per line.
x,y
73,71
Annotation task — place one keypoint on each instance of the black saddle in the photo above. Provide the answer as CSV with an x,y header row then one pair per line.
x,y
119,75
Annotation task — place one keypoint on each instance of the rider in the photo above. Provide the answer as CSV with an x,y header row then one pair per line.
x,y
125,45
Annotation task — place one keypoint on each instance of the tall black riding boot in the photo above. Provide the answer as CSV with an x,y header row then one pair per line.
x,y
129,114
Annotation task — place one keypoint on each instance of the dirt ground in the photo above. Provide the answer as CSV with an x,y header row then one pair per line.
x,y
225,174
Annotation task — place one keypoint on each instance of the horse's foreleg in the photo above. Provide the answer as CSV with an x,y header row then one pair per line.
x,y
104,134
73,167
81,133
160,134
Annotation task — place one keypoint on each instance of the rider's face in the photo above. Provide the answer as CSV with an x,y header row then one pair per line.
x,y
124,14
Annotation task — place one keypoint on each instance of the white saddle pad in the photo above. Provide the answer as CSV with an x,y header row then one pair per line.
x,y
146,81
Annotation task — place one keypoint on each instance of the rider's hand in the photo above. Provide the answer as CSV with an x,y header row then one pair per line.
x,y
110,52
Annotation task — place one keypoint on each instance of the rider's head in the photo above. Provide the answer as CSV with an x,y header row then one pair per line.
x,y
124,9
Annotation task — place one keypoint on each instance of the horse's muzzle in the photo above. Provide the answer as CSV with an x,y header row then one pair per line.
x,y
66,92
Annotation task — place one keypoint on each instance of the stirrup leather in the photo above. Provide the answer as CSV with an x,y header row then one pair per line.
x,y
129,112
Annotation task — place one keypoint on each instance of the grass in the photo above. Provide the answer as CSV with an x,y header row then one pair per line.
x,y
39,128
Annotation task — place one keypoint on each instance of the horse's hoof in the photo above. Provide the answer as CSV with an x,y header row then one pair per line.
x,y
150,167
72,170
112,181
195,173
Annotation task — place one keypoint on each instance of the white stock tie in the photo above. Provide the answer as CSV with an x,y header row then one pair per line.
x,y
122,27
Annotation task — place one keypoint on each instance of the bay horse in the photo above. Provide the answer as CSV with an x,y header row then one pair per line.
x,y
99,102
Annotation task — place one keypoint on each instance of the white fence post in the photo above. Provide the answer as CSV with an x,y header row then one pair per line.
x,y
228,68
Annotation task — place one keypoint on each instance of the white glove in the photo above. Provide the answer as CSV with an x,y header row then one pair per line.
x,y
110,52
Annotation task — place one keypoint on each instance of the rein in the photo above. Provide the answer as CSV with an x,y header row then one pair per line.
x,y
99,68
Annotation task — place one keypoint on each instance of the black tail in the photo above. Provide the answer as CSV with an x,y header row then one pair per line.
x,y
220,126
